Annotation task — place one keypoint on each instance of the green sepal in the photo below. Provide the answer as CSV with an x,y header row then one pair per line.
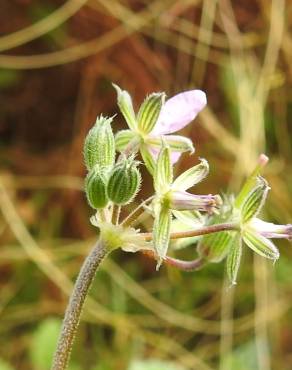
x,y
254,201
163,173
126,107
99,146
259,244
96,187
192,176
234,258
147,158
123,138
149,112
215,247
161,230
176,143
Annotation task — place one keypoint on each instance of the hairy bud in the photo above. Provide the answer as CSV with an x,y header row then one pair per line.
x,y
124,182
99,146
95,188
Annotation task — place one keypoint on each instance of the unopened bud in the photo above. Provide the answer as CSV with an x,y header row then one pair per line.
x,y
124,182
99,146
95,187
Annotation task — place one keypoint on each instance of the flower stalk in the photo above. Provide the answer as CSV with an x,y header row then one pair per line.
x,y
75,306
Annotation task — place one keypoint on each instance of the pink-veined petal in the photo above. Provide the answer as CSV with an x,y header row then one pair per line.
x,y
174,156
179,111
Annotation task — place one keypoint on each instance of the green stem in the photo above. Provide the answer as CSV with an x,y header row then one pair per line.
x,y
76,303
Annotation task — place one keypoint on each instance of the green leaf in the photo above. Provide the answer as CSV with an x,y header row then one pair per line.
x,y
43,344
176,143
122,139
259,244
126,107
192,176
255,200
163,174
149,112
161,230
233,258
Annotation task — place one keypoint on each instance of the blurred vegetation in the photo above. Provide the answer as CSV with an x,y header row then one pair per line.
x,y
57,62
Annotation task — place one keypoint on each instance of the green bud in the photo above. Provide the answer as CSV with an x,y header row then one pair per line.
x,y
95,188
99,146
124,182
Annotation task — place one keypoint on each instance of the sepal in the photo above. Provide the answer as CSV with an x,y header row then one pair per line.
x,y
149,112
259,244
126,107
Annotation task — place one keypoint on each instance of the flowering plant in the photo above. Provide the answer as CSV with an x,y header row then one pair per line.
x,y
218,226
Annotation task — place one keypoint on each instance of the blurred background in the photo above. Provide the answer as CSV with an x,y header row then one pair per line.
x,y
57,61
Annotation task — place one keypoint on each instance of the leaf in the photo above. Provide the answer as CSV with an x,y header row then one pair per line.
x,y
43,344
255,200
259,244
233,258
149,112
192,176
126,107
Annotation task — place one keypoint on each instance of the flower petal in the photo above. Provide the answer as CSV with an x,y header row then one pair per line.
x,y
179,111
182,200
174,156
270,230
192,176
261,245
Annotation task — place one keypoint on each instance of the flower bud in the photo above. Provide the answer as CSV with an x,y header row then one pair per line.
x,y
95,188
124,182
182,200
99,146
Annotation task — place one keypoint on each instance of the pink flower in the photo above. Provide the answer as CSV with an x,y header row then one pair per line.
x,y
156,119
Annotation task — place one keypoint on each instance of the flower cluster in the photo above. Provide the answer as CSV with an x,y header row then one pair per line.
x,y
219,226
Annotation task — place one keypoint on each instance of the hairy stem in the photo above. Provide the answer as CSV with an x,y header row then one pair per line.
x,y
197,232
74,308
